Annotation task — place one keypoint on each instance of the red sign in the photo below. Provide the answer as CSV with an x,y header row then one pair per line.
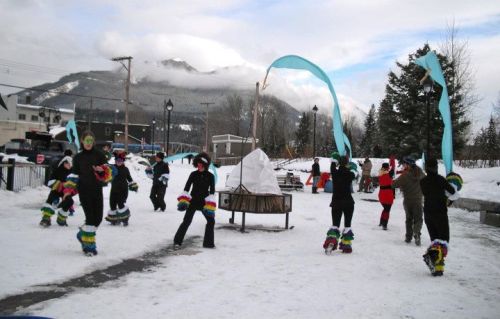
x,y
40,158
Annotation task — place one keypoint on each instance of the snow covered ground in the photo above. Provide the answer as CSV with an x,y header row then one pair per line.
x,y
256,274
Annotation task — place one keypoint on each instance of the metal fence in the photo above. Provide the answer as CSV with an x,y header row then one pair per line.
x,y
16,176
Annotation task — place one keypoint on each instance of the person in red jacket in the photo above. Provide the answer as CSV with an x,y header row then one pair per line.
x,y
386,194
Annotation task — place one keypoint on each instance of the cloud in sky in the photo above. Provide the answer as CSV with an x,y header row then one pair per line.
x,y
356,42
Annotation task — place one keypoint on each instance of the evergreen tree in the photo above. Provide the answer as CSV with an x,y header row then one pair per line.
x,y
491,147
402,119
302,133
369,136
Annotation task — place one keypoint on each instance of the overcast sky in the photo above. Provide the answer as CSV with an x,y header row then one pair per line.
x,y
355,42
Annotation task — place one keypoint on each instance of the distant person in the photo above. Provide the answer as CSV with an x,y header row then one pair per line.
x,y
202,185
106,149
434,188
160,174
385,194
342,205
366,172
409,183
316,174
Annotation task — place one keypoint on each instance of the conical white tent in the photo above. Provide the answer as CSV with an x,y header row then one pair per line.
x,y
258,174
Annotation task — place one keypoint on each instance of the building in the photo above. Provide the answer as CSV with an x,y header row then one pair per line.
x,y
22,117
107,131
228,145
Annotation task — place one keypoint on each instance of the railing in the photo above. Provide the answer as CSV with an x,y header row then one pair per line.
x,y
16,176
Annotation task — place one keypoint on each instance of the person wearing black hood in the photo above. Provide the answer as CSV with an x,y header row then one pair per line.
x,y
56,184
159,173
342,204
435,188
89,174
202,185
122,182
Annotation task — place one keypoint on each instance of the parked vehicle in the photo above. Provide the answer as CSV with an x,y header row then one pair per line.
x,y
39,147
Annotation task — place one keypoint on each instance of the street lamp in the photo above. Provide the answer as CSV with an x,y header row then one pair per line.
x,y
116,115
428,83
315,110
169,106
153,138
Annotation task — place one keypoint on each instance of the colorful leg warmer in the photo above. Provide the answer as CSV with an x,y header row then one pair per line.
x,y
123,213
346,240
61,217
47,212
112,217
86,237
210,206
332,239
435,256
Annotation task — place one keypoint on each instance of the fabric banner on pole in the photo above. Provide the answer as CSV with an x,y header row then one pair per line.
x,y
430,62
299,63
72,133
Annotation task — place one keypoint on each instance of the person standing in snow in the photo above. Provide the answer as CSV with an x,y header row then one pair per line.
x,y
409,183
120,186
202,185
159,173
88,175
366,173
316,174
434,188
385,194
342,204
56,184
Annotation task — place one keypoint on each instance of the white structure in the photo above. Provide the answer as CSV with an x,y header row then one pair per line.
x,y
258,174
20,118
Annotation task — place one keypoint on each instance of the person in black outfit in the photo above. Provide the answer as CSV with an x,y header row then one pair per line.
x,y
87,178
160,175
316,174
122,181
201,198
56,184
434,188
342,204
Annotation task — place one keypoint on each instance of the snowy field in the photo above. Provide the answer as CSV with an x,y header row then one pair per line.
x,y
256,274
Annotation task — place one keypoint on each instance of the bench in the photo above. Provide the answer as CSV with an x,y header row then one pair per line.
x,y
290,182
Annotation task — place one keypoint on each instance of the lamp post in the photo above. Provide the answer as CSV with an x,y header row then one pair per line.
x,y
169,106
153,137
116,115
315,110
428,83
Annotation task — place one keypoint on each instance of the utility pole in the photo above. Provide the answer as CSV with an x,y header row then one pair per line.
x,y
90,114
255,111
206,125
127,90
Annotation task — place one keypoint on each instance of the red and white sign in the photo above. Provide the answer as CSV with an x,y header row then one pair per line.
x,y
40,158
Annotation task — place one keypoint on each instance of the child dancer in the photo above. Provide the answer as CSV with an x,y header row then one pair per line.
x,y
385,194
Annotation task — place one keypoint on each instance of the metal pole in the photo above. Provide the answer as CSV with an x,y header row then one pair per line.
x,y
206,126
314,136
168,132
164,111
127,90
153,140
255,110
428,125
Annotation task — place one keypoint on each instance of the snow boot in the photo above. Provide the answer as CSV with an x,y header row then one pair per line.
x,y
45,222
125,222
346,241
417,240
86,237
315,190
332,239
61,217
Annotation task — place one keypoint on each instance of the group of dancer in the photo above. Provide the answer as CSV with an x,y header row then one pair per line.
x,y
415,185
88,172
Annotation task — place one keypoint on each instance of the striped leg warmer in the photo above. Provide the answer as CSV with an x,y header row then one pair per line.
x,y
346,240
332,239
86,237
